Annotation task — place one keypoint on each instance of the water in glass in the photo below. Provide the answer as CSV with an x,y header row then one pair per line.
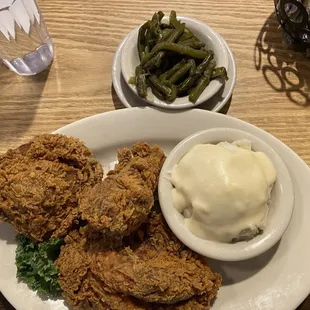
x,y
25,45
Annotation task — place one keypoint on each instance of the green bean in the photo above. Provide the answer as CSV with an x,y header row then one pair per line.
x,y
148,38
176,34
187,84
191,33
203,82
176,24
141,38
132,80
164,89
174,93
165,26
165,34
141,82
180,73
148,61
173,61
192,70
173,20
202,67
160,15
146,58
185,36
195,45
174,90
156,60
154,24
173,70
180,49
155,92
188,41
219,72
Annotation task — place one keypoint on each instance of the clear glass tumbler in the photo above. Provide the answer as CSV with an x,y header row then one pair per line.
x,y
25,45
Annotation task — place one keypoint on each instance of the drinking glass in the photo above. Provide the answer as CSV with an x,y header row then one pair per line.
x,y
25,45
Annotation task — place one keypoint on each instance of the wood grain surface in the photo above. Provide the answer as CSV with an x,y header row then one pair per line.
x,y
272,90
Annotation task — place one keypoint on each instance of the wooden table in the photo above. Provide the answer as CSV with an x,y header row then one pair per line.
x,y
272,89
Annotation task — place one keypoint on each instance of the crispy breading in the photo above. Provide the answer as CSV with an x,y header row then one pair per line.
x,y
40,183
160,270
81,288
94,274
122,202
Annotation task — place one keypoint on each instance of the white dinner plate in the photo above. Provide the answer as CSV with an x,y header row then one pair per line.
x,y
131,100
278,279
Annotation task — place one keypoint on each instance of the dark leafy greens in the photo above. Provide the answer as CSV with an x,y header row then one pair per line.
x,y
35,264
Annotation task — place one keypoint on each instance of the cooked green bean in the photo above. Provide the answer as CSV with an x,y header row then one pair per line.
x,y
155,92
148,38
175,23
173,20
180,49
173,61
195,45
132,80
185,36
141,38
187,84
219,72
172,71
174,93
180,73
203,82
154,24
165,34
165,26
176,34
164,89
193,35
202,67
192,70
155,61
188,41
141,82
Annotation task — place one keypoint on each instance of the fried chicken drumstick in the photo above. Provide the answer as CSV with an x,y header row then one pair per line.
x,y
158,273
40,182
122,202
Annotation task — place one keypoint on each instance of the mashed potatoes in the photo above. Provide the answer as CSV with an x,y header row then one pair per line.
x,y
223,190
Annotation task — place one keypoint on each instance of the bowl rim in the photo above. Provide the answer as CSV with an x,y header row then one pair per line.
x,y
212,34
222,251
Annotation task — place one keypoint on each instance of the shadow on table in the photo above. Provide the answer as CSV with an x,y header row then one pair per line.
x,y
116,101
4,304
19,100
284,69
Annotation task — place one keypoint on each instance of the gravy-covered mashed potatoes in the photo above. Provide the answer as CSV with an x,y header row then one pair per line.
x,y
223,190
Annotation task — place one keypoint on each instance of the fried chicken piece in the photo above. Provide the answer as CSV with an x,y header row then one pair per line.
x,y
122,202
157,274
40,183
160,270
81,288
158,278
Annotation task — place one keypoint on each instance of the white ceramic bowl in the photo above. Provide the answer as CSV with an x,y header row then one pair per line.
x,y
281,204
130,60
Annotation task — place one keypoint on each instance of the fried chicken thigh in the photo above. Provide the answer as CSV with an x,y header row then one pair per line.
x,y
122,202
92,273
40,182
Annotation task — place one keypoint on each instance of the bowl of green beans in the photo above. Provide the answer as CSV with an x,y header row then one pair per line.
x,y
174,62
